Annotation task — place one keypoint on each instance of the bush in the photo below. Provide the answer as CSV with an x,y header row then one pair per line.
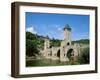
x,y
84,56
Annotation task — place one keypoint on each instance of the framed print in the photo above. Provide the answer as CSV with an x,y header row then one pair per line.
x,y
53,39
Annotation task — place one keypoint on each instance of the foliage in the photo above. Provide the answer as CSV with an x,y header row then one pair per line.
x,y
55,42
31,48
82,41
84,56
31,44
30,36
35,42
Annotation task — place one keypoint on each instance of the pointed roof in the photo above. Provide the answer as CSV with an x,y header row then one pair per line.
x,y
67,27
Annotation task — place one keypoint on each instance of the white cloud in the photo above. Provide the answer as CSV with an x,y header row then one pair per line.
x,y
31,29
59,29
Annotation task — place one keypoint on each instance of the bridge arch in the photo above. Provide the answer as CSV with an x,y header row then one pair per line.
x,y
70,53
58,53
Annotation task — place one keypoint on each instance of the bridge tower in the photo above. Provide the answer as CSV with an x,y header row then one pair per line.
x,y
66,43
46,43
67,34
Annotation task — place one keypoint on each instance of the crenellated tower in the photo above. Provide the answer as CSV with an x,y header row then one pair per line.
x,y
67,34
65,43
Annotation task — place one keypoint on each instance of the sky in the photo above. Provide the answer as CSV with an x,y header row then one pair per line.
x,y
47,24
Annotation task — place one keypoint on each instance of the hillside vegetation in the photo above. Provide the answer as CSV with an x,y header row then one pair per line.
x,y
35,43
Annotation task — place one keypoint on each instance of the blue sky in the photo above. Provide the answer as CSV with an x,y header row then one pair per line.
x,y
52,25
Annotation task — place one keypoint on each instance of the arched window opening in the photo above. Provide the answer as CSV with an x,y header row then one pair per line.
x,y
68,44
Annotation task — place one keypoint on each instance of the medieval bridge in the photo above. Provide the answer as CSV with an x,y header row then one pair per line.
x,y
65,50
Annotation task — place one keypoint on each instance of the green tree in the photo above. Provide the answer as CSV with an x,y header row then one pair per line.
x,y
31,36
55,42
82,41
84,56
31,48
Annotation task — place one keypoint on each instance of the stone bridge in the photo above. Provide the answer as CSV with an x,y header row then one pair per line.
x,y
65,50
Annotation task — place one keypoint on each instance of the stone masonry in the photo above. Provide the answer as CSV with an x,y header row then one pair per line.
x,y
61,52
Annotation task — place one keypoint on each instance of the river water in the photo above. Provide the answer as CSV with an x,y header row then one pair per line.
x,y
44,62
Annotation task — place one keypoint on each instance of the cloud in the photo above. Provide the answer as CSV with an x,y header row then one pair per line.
x,y
59,29
31,29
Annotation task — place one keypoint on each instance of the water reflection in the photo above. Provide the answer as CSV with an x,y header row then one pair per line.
x,y
44,62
